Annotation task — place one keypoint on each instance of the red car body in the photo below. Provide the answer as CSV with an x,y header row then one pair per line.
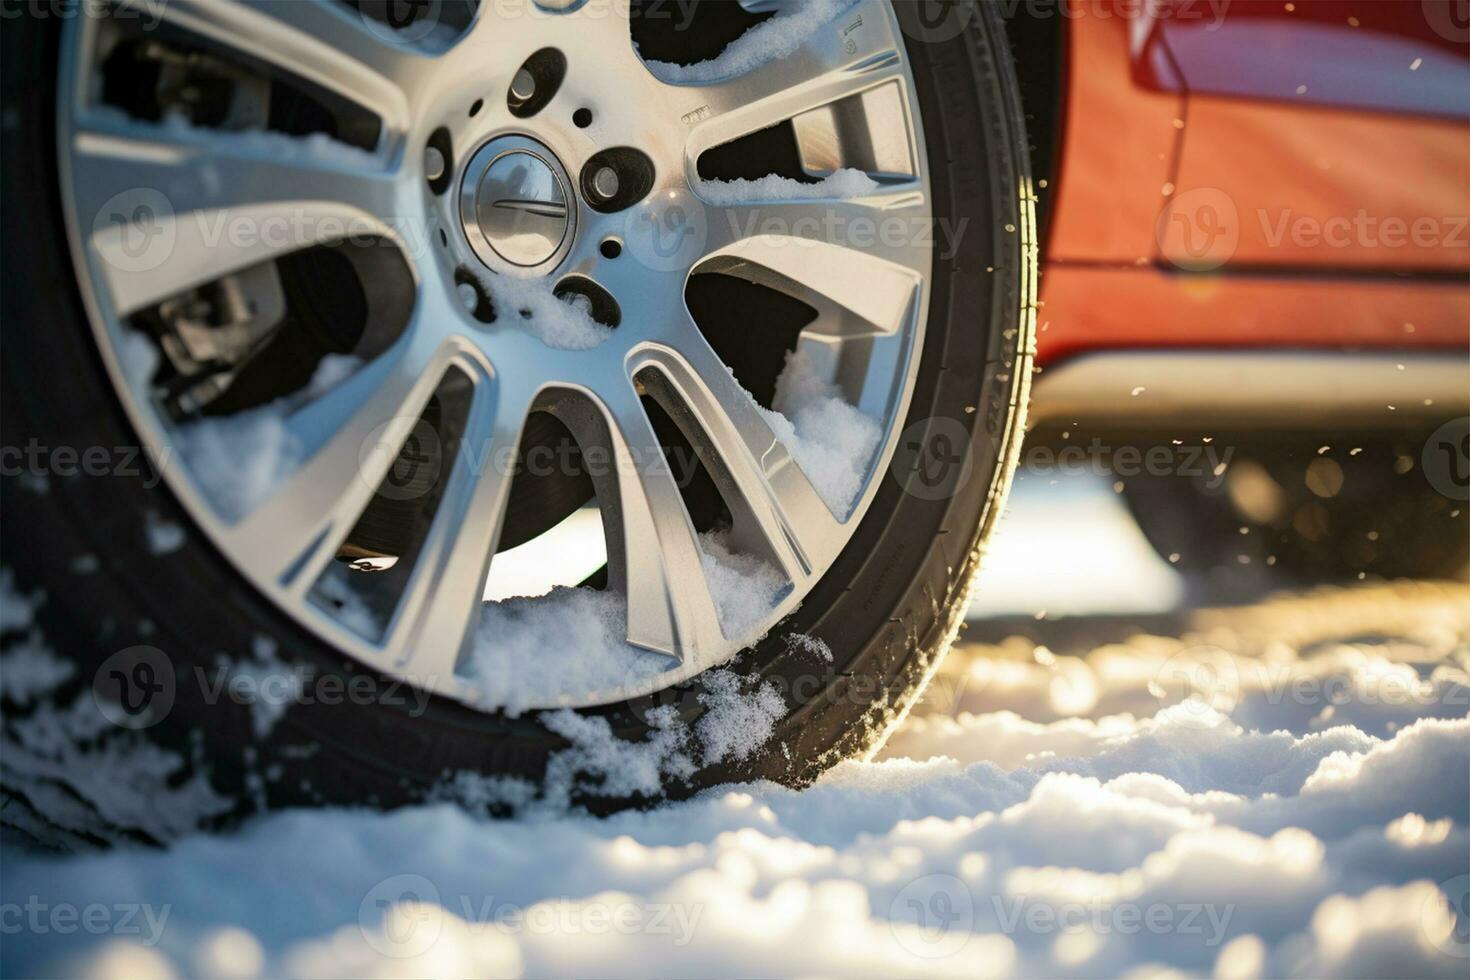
x,y
1259,178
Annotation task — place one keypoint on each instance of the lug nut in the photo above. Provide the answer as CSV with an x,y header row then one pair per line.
x,y
605,183
433,163
523,86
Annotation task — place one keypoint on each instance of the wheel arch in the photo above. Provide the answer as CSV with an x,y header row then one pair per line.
x,y
1038,38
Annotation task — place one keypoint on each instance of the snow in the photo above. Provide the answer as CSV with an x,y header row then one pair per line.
x,y
267,684
619,768
137,356
532,651
238,460
27,668
813,645
315,149
738,720
94,776
64,754
745,588
17,611
773,39
540,650
164,536
555,322
1278,789
844,183
1011,828
833,442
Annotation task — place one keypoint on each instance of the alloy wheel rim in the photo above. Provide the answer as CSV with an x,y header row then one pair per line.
x,y
872,297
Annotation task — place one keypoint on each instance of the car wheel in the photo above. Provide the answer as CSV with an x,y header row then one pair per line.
x,y
327,322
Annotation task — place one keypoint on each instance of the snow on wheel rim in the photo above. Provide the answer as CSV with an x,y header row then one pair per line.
x,y
277,488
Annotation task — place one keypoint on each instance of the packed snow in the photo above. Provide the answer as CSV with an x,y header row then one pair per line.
x,y
844,183
1270,790
779,37
833,442
554,321
744,587
236,460
539,650
530,651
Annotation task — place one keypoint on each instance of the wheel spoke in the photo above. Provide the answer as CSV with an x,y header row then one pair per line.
x,y
820,72
778,512
320,41
357,428
861,260
438,612
653,552
169,208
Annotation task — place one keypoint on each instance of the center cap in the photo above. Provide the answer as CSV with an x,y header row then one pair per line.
x,y
517,207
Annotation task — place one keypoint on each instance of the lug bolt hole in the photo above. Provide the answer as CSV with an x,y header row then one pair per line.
x,y
535,82
472,296
616,178
582,118
591,299
438,161
610,248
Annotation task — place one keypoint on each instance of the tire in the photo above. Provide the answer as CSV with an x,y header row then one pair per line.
x,y
75,547
1291,515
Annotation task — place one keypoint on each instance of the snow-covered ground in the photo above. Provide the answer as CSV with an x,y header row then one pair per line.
x,y
1057,806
